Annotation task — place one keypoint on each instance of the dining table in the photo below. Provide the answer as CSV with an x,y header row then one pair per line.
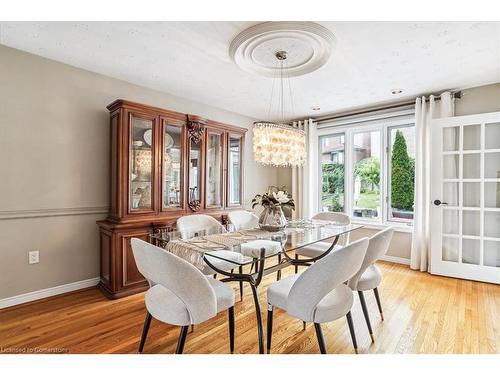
x,y
201,248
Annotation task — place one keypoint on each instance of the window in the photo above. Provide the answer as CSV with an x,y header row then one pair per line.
x,y
332,172
401,181
367,170
366,174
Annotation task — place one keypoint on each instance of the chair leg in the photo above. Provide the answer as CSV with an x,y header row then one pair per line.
x,y
231,328
269,326
182,340
303,325
365,313
145,329
278,276
241,284
215,276
192,328
351,329
321,340
296,267
377,297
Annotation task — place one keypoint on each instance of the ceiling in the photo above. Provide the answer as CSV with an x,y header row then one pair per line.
x,y
191,60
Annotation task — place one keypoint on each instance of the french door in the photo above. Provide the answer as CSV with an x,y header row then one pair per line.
x,y
465,194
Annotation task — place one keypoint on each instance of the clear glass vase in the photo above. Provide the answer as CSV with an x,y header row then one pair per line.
x,y
272,219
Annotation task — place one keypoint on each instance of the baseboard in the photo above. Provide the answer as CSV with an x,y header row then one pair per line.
x,y
49,292
399,260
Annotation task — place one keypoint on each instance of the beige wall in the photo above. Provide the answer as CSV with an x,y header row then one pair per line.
x,y
54,152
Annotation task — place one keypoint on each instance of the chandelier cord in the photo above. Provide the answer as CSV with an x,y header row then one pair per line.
x,y
272,96
292,106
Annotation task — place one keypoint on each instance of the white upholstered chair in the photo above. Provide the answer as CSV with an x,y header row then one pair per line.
x,y
369,275
318,248
190,224
205,224
180,294
319,294
242,219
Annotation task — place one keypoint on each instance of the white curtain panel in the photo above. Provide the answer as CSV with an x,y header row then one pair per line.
x,y
425,111
305,179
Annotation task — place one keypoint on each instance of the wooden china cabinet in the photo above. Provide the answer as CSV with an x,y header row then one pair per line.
x,y
164,165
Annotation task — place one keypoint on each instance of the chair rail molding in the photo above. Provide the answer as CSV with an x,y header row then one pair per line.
x,y
49,212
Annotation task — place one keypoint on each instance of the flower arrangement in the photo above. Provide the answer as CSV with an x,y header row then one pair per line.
x,y
274,197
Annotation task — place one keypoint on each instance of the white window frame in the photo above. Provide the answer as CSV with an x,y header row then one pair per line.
x,y
349,129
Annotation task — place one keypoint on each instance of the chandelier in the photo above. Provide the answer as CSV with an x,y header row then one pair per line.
x,y
277,143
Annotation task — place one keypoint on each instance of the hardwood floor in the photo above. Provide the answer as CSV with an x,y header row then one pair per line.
x,y
423,314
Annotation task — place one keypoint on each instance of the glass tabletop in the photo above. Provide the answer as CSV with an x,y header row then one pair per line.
x,y
297,234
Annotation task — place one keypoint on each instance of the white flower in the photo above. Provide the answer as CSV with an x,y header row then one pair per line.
x,y
281,197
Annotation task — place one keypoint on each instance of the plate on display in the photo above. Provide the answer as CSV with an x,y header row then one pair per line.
x,y
169,141
148,136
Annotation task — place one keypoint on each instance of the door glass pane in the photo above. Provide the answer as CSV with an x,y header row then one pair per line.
x,y
401,172
194,174
470,223
450,193
470,251
492,165
172,167
214,165
472,165
472,137
450,166
471,194
234,161
492,135
492,224
450,221
450,249
451,138
492,253
492,194
141,161
332,172
366,157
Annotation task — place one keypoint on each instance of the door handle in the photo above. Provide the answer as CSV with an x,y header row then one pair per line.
x,y
437,202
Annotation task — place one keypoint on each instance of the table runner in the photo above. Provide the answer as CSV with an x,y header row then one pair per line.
x,y
194,249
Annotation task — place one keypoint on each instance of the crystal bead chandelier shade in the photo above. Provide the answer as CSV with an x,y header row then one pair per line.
x,y
279,144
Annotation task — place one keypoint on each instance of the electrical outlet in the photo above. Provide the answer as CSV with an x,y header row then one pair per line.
x,y
34,257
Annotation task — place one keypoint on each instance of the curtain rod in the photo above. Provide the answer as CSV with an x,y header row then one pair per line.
x,y
456,95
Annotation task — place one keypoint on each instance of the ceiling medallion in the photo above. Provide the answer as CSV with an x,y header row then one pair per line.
x,y
310,46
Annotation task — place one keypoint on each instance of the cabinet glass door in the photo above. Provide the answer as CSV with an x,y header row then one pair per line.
x,y
214,170
172,186
234,165
195,170
141,163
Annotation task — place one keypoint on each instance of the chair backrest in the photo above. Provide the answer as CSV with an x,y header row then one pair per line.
x,y
242,219
180,277
194,223
377,247
322,277
338,217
